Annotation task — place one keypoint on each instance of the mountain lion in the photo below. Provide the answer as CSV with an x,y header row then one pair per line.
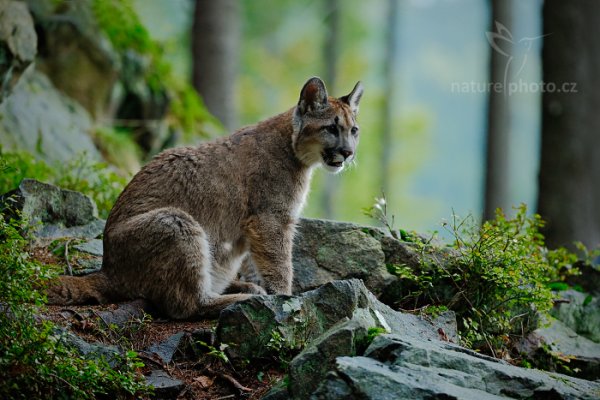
x,y
180,230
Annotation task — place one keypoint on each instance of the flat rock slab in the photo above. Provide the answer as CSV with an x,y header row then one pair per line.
x,y
396,367
167,349
164,386
558,339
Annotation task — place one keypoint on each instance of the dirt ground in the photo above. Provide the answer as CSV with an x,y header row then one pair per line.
x,y
205,374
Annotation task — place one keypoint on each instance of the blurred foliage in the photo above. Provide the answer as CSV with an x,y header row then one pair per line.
x,y
35,360
187,113
283,45
118,148
497,276
95,179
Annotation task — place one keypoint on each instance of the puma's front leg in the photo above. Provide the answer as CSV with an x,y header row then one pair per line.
x,y
271,238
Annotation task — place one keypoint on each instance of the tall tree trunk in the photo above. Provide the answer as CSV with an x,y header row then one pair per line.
x,y
215,45
331,54
390,71
498,122
569,180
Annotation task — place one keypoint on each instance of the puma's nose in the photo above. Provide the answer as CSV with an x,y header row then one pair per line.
x,y
346,153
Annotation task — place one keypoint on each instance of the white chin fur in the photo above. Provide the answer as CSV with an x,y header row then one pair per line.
x,y
333,169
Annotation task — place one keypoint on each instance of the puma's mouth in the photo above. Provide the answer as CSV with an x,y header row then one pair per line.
x,y
332,163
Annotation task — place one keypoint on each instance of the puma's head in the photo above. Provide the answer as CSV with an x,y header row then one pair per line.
x,y
325,129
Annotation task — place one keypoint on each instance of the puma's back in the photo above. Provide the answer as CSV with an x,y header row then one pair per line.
x,y
180,230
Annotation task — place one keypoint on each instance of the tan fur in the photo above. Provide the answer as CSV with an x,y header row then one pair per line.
x,y
180,230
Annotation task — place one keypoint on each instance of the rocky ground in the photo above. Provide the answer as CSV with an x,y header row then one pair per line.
x,y
332,340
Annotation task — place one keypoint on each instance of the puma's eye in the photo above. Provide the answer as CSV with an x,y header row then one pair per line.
x,y
354,130
333,129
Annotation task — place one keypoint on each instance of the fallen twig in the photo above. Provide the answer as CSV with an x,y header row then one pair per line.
x,y
69,268
230,379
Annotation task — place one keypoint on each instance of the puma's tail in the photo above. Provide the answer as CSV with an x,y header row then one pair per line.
x,y
88,289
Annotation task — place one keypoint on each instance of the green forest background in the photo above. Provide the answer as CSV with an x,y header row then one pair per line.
x,y
438,137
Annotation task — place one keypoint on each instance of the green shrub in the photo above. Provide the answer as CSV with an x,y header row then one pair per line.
x,y
35,362
15,166
95,179
496,276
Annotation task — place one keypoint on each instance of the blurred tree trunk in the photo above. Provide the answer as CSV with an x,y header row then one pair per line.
x,y
498,122
331,53
390,71
569,180
215,46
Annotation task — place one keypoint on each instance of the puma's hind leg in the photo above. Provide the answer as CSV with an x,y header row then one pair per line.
x,y
164,256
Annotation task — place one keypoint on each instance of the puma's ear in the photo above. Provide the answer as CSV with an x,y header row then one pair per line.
x,y
353,98
313,96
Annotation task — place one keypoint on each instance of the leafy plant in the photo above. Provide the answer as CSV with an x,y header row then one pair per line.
x,y
497,277
218,353
283,349
373,332
379,212
35,360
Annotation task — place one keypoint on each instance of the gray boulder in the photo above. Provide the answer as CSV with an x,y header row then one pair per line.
x,y
18,43
249,326
580,312
75,46
400,367
323,324
39,119
52,212
557,344
326,250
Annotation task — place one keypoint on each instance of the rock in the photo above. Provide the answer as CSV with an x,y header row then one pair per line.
x,y
396,367
91,350
18,43
88,266
345,338
580,312
329,250
330,321
112,83
37,118
325,251
164,386
145,104
167,349
93,247
557,343
52,212
248,326
74,46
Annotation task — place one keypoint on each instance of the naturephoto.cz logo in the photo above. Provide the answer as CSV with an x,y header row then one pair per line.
x,y
516,54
